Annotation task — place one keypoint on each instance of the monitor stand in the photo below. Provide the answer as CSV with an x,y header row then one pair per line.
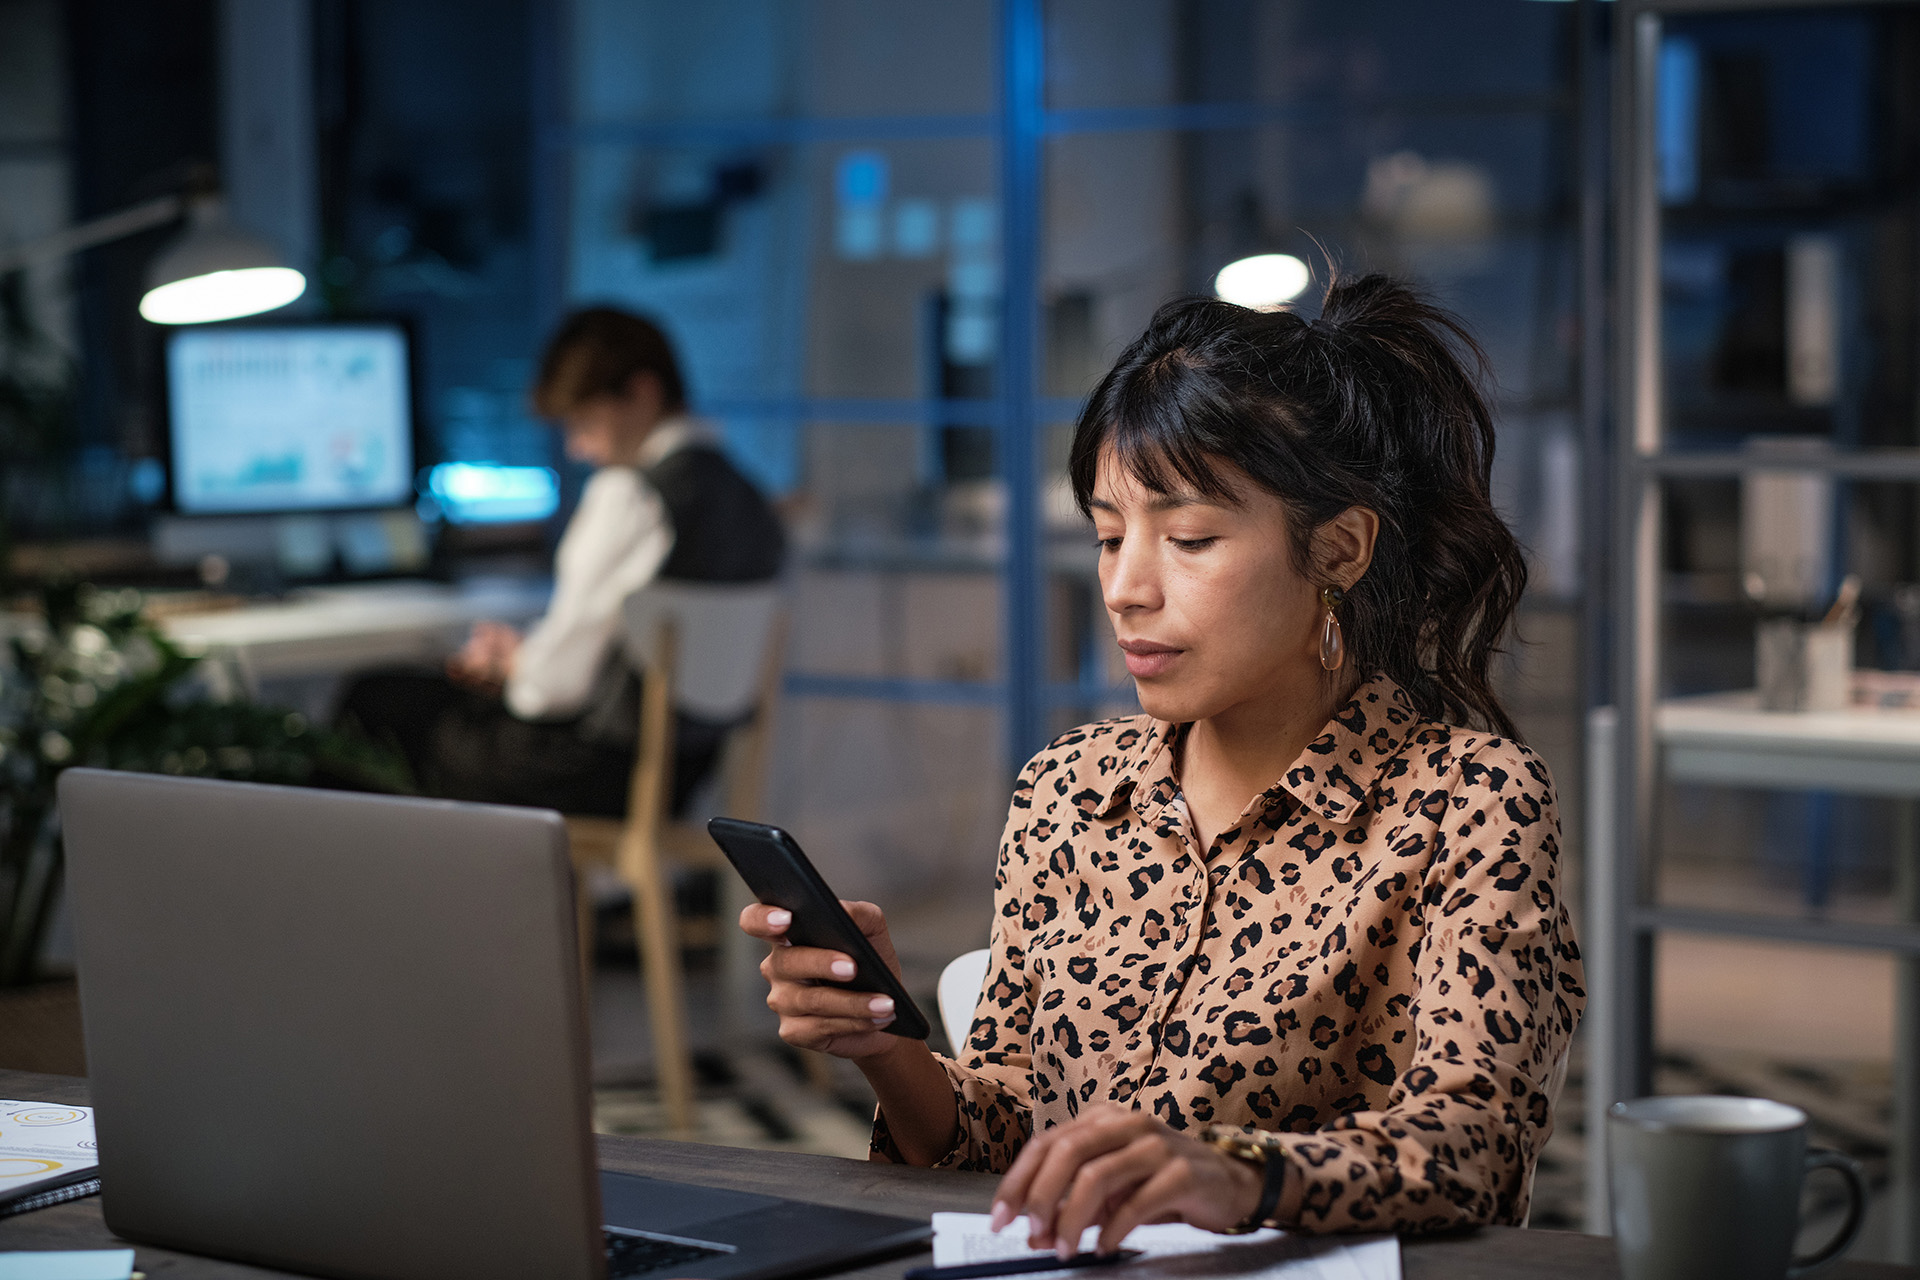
x,y
266,552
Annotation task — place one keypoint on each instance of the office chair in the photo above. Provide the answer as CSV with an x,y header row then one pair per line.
x,y
959,995
725,634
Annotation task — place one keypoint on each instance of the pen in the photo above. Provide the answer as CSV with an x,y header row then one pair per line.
x,y
1020,1266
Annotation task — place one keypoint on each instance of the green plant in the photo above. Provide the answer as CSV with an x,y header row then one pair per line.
x,y
90,681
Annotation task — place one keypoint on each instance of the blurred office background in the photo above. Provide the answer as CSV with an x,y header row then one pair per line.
x,y
816,199
898,241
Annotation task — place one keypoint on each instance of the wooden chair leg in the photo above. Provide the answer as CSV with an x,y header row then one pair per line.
x,y
659,939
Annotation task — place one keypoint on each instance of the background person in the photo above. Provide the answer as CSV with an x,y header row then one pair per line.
x,y
550,718
1288,948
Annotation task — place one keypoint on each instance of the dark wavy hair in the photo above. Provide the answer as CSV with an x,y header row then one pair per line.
x,y
1378,403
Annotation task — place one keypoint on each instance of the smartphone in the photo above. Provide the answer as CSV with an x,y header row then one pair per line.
x,y
771,863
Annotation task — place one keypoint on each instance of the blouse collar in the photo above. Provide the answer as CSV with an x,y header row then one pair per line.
x,y
1334,776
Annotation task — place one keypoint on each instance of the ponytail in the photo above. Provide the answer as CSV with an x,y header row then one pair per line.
x,y
1376,404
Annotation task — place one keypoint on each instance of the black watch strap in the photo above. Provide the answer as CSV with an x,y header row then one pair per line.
x,y
1272,1176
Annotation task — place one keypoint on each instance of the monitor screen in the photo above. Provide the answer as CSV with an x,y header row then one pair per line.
x,y
299,417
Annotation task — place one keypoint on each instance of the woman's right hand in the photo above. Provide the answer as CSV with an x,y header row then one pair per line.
x,y
847,1024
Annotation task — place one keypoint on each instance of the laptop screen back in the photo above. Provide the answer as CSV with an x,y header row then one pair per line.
x,y
337,1033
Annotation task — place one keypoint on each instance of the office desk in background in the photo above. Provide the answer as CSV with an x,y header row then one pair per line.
x,y
329,632
1495,1253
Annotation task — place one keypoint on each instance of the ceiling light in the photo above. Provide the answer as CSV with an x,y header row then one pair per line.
x,y
1264,280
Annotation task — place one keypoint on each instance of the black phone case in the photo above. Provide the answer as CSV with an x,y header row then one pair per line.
x,y
771,863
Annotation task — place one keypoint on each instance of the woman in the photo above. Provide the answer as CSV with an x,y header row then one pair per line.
x,y
1289,948
550,718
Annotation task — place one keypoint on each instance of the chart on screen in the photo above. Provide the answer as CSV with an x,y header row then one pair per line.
x,y
289,418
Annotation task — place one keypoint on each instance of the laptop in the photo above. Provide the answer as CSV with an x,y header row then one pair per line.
x,y
344,1034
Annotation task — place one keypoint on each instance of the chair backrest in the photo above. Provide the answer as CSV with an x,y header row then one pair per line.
x,y
725,632
716,651
743,768
960,984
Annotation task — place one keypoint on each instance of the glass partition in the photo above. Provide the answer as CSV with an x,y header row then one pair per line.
x,y
896,262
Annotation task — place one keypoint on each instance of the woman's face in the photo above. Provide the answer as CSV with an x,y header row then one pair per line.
x,y
610,429
1205,597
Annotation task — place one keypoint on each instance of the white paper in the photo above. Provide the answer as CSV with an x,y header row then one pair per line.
x,y
1176,1249
42,1141
91,1264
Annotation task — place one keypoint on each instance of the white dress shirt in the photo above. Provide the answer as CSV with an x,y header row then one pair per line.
x,y
618,538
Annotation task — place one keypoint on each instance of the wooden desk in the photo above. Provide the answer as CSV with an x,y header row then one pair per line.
x,y
1495,1253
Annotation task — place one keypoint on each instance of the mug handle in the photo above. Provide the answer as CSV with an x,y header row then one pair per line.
x,y
1820,1158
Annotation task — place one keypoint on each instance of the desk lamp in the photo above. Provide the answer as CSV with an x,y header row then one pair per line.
x,y
215,271
212,271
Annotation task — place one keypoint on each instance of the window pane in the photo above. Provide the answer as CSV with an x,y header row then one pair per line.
x,y
1083,666
658,60
708,240
1111,250
905,279
1790,209
665,60
1469,206
870,490
900,805
900,57
1136,53
875,610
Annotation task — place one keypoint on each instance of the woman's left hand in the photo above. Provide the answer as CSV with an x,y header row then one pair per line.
x,y
1116,1168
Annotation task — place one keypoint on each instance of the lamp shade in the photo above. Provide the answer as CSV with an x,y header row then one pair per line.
x,y
215,271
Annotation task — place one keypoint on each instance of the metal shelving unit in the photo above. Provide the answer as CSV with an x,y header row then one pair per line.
x,y
1641,743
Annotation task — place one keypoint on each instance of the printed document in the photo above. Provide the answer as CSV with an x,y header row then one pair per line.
x,y
43,1142
1175,1250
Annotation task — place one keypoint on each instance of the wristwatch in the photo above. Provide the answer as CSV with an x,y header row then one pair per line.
x,y
1261,1149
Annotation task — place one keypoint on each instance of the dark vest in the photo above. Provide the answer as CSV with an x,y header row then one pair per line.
x,y
723,529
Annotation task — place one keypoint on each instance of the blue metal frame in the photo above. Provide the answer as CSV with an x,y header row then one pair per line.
x,y
956,412
1022,103
1190,116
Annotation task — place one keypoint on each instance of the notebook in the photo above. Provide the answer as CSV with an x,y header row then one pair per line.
x,y
47,1154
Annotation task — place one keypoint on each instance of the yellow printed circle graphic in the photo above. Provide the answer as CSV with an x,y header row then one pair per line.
x,y
59,1115
21,1167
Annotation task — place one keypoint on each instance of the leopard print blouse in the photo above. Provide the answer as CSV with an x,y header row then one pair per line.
x,y
1373,961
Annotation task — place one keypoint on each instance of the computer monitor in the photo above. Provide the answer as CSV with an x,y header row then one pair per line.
x,y
289,417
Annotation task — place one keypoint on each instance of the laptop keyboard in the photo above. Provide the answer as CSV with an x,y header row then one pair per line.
x,y
635,1255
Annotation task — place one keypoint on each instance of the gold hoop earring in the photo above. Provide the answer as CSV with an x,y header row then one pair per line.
x,y
1333,644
